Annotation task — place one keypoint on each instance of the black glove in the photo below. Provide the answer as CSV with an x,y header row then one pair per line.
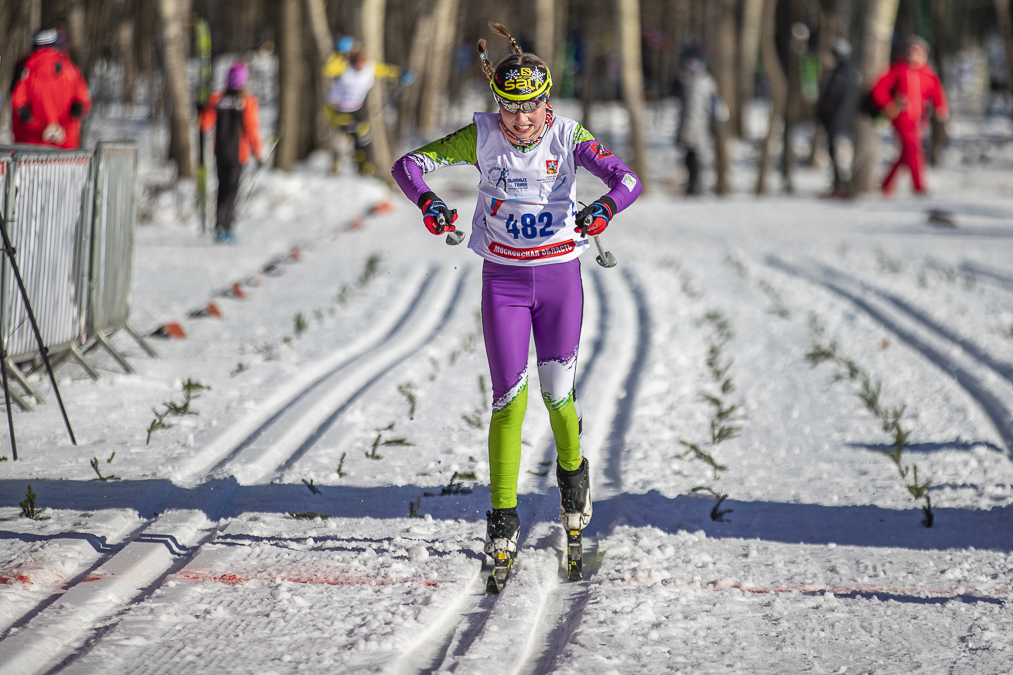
x,y
76,109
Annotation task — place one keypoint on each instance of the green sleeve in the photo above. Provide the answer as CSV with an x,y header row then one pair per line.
x,y
582,135
460,147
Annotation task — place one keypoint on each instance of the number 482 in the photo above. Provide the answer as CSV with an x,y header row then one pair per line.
x,y
527,227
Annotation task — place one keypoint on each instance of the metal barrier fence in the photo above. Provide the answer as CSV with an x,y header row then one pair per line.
x,y
47,208
112,245
71,219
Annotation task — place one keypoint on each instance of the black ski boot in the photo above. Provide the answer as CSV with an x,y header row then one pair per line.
x,y
575,512
503,527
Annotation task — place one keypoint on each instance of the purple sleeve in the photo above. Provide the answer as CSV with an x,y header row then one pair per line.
x,y
624,186
408,175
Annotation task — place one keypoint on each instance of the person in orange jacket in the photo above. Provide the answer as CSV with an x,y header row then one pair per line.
x,y
236,115
901,95
49,96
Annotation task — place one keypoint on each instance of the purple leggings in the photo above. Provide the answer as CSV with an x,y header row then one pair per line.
x,y
547,299
516,300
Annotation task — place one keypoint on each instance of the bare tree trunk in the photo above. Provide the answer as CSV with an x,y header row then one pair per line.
x,y
17,23
778,90
316,12
1002,13
442,49
373,12
125,49
724,74
587,74
176,49
940,25
880,16
752,19
628,16
290,76
408,109
545,29
77,33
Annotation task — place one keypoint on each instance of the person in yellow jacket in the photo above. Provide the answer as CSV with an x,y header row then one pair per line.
x,y
353,73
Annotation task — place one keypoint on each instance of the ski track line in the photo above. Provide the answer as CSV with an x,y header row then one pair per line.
x,y
1001,280
171,541
987,400
465,618
537,611
574,598
237,436
970,348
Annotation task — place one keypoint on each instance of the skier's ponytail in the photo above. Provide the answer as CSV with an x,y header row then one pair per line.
x,y
501,29
489,72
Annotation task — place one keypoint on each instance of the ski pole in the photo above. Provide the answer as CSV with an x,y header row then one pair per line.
x,y
253,179
604,258
454,237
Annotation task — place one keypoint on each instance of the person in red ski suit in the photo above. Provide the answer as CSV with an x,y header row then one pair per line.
x,y
902,94
49,97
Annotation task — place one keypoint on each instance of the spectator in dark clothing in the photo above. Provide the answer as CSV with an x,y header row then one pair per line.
x,y
49,96
236,116
836,110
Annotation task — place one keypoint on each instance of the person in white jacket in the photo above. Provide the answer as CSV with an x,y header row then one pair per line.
x,y
702,107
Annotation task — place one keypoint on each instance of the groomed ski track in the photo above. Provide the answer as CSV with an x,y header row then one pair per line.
x,y
526,626
987,381
248,452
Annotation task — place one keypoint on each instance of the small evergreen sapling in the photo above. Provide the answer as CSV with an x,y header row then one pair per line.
x,y
717,513
29,508
341,465
408,391
414,506
299,324
869,393
308,515
94,465
312,488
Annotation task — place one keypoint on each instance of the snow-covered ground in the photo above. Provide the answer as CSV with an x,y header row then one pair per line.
x,y
349,386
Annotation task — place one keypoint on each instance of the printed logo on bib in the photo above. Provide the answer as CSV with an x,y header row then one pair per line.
x,y
499,178
551,166
539,253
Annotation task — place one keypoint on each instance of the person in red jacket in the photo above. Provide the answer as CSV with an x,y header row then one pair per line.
x,y
49,97
236,114
902,94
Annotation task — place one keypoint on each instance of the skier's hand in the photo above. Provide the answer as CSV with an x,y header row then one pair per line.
x,y
54,133
595,217
432,209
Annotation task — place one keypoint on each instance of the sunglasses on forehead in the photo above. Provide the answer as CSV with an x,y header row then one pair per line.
x,y
522,106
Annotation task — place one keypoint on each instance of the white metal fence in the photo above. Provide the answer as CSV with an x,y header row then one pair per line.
x,y
71,217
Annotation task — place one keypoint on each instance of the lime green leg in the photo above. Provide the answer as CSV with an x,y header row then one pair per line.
x,y
505,450
566,430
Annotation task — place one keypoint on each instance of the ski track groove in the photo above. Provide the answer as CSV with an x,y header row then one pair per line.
x,y
461,631
560,607
179,553
986,400
138,532
574,599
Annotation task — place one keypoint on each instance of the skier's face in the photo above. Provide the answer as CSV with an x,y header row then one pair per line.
x,y
917,56
524,125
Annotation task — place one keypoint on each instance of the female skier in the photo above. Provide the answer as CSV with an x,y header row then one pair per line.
x,y
524,226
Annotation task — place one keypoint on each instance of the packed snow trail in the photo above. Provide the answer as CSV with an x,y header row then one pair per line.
x,y
538,605
946,353
173,539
